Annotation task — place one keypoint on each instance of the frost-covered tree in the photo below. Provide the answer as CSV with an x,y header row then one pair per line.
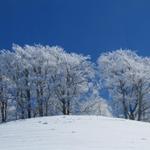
x,y
13,72
6,84
126,75
72,80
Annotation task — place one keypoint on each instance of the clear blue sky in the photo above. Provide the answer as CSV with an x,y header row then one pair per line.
x,y
82,26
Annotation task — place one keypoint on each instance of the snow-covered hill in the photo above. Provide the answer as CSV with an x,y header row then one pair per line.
x,y
75,133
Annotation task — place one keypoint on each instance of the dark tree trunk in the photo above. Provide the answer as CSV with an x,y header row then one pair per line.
x,y
46,108
40,101
29,104
3,111
64,107
68,108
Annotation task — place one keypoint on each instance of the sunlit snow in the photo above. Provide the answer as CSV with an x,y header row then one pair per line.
x,y
75,133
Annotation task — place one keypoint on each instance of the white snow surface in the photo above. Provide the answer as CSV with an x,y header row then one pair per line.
x,y
75,133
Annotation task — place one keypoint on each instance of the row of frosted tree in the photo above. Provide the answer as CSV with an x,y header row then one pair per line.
x,y
42,80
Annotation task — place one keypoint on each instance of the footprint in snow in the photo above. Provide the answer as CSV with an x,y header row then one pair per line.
x,y
45,123
143,139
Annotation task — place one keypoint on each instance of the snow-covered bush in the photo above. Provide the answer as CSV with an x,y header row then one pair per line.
x,y
98,106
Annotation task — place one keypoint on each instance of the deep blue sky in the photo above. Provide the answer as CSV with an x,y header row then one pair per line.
x,y
82,26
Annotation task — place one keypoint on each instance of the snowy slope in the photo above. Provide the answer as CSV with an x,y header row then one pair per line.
x,y
75,133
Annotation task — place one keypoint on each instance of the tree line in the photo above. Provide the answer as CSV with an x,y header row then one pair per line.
x,y
46,80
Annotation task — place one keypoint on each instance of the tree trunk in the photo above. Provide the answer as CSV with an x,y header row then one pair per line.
x,y
140,108
3,111
29,104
